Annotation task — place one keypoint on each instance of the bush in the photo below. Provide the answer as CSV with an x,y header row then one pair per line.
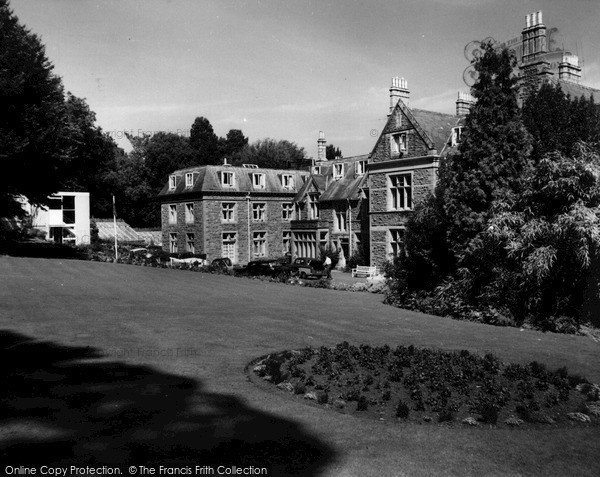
x,y
357,258
489,414
362,404
402,410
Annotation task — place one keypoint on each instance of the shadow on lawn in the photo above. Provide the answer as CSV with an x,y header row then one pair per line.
x,y
58,407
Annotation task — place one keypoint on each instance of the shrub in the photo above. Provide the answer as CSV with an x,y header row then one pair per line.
x,y
489,414
362,404
299,388
445,415
402,410
323,398
357,258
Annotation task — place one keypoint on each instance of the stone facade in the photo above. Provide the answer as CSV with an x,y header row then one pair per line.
x,y
240,221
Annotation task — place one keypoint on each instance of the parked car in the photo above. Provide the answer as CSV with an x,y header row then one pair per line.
x,y
223,264
305,267
266,267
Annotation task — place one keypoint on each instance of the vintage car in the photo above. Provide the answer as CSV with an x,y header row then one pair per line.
x,y
305,267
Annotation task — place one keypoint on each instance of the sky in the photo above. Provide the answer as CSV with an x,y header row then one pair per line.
x,y
281,69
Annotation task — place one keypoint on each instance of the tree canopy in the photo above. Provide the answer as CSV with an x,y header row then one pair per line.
x,y
332,152
33,119
493,154
277,154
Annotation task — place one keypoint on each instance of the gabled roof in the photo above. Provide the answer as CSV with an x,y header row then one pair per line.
x,y
209,179
433,128
348,187
438,126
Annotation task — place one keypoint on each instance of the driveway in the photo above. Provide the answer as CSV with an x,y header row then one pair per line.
x,y
115,364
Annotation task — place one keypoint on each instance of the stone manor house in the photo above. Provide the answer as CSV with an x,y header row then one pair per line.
x,y
355,204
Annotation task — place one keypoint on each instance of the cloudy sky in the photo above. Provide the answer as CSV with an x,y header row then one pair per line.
x,y
283,69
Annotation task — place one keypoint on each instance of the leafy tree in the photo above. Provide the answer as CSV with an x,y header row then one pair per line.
x,y
557,122
332,152
204,142
550,237
165,153
91,157
32,123
272,153
493,153
234,142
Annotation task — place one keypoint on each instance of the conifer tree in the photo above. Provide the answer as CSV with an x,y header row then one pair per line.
x,y
493,153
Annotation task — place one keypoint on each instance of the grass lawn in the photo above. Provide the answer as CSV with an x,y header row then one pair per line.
x,y
116,364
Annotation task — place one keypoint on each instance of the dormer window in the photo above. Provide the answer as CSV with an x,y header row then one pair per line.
x,y
361,168
189,179
227,179
399,142
338,171
172,182
456,136
287,181
316,170
258,181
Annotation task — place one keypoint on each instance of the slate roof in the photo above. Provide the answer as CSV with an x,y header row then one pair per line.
x,y
208,179
577,90
438,126
348,187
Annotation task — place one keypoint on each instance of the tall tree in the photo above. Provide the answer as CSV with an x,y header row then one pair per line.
x,y
558,122
91,157
493,153
32,123
205,142
233,143
332,152
272,153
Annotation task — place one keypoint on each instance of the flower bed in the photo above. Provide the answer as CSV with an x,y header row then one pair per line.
x,y
425,385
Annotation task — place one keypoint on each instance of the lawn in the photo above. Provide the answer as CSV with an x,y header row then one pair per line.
x,y
116,364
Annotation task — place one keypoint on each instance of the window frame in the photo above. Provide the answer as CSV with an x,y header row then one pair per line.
x,y
190,244
229,239
172,182
287,181
395,241
287,211
189,213
173,246
172,214
399,147
313,206
259,211
226,210
259,241
230,181
259,180
397,193
340,223
189,179
338,171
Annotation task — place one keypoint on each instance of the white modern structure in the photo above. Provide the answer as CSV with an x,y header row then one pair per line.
x,y
66,219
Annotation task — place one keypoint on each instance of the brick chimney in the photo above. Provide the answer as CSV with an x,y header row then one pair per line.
x,y
569,69
398,90
463,103
533,37
321,145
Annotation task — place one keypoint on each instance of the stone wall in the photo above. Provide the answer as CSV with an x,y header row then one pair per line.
x,y
208,226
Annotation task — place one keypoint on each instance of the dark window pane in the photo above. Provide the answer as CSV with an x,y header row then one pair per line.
x,y
69,216
69,202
